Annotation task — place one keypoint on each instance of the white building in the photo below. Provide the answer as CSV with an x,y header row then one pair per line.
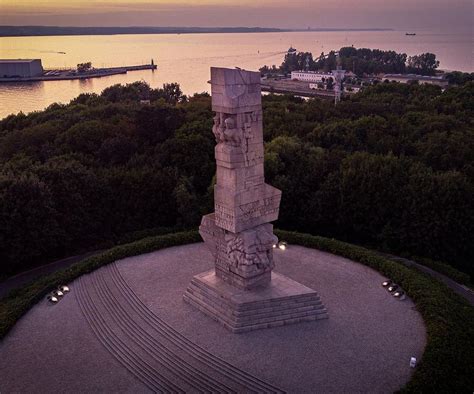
x,y
422,79
20,68
311,76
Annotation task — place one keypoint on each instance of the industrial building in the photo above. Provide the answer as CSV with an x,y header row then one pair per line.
x,y
25,68
422,79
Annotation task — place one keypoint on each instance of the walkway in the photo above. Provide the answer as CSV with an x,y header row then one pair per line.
x,y
126,328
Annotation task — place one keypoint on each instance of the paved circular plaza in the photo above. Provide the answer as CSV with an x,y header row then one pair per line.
x,y
126,328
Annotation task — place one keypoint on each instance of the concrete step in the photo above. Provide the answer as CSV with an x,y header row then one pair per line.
x,y
199,287
282,302
257,308
280,323
255,325
291,313
256,313
290,316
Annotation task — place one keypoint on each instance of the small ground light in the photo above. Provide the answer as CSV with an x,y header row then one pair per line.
x,y
52,298
392,287
57,294
282,245
274,246
399,294
413,362
386,283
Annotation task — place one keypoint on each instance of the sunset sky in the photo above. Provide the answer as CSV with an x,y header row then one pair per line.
x,y
442,14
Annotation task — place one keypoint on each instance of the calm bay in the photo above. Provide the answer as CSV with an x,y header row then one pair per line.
x,y
186,58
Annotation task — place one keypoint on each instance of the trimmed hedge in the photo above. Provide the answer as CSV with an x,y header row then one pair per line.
x,y
448,361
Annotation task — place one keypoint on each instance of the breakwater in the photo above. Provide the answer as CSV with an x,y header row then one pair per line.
x,y
60,75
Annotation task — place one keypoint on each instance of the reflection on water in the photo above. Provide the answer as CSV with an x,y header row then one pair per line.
x,y
186,58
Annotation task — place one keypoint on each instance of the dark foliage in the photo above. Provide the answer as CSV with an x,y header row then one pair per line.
x,y
391,167
361,61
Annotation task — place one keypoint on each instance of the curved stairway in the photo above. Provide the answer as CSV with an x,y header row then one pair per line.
x,y
155,353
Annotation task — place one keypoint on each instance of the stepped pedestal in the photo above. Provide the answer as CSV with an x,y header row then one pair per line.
x,y
282,302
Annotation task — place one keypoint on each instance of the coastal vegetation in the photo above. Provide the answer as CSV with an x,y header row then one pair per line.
x,y
361,61
391,167
84,67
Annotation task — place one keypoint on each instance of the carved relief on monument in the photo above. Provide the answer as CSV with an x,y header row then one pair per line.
x,y
239,257
233,135
217,129
251,252
234,129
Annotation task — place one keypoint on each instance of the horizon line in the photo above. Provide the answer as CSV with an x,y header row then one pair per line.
x,y
39,30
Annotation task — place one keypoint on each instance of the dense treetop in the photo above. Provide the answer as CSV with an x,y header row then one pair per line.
x,y
361,61
391,167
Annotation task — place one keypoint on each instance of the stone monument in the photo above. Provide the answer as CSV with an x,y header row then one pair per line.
x,y
242,292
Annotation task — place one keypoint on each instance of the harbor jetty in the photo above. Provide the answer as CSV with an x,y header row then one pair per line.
x,y
65,74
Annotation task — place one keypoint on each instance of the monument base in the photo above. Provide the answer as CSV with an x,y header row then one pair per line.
x,y
282,302
244,283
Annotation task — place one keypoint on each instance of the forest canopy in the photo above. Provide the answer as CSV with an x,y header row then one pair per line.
x,y
391,167
361,61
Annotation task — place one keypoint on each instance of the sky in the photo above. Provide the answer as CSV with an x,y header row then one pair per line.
x,y
397,14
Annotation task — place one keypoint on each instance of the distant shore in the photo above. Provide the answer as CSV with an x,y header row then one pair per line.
x,y
28,31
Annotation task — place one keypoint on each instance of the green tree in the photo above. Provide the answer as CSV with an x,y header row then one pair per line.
x,y
391,166
84,67
424,64
28,222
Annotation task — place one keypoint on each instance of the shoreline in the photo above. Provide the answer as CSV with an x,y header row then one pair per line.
x,y
53,31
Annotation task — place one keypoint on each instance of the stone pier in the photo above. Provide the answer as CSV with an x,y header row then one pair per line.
x,y
242,292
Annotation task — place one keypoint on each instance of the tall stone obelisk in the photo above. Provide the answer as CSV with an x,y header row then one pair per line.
x,y
241,288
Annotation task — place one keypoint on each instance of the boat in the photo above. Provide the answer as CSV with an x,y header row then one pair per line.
x,y
291,50
410,34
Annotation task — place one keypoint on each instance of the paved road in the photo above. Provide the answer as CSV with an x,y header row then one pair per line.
x,y
458,288
26,277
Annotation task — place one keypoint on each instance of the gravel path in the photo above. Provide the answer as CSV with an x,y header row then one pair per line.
x,y
125,328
